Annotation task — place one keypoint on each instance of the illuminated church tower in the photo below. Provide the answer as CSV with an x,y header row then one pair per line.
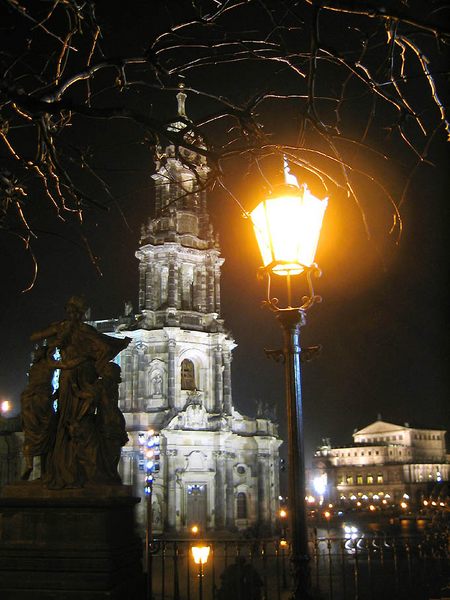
x,y
219,469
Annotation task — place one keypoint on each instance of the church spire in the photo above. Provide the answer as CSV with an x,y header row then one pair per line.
x,y
180,196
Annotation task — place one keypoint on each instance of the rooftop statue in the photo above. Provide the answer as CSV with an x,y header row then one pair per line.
x,y
80,442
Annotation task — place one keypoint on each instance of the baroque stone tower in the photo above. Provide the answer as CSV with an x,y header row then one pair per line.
x,y
219,469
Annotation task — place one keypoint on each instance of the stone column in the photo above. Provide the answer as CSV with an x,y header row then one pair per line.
x,y
171,374
263,485
227,401
217,288
218,382
203,289
220,509
128,380
171,503
210,289
171,285
135,384
229,491
142,277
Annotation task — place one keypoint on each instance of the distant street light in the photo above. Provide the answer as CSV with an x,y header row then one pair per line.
x,y
5,406
200,554
287,226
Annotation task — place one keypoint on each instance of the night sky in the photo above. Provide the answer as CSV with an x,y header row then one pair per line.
x,y
382,325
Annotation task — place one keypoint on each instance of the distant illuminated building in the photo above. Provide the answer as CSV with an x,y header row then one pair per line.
x,y
386,463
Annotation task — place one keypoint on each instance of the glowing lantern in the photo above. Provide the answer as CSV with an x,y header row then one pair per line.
x,y
200,554
287,227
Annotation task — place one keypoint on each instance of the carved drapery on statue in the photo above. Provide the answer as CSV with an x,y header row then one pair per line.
x,y
81,444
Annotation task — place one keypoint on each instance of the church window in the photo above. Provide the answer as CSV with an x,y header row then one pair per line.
x,y
241,506
369,479
187,375
359,479
340,480
349,479
379,478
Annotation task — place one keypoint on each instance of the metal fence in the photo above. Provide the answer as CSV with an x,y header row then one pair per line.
x,y
354,568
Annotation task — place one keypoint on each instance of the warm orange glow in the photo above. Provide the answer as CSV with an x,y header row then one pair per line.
x,y
372,507
403,505
200,554
5,406
283,543
194,529
283,513
425,502
287,228
327,514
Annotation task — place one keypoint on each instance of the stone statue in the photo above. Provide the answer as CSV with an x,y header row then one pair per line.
x,y
75,456
110,423
157,384
38,416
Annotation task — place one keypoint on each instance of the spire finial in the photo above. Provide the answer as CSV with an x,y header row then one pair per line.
x,y
181,97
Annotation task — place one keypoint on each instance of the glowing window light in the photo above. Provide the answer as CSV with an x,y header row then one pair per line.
x,y
200,554
403,505
287,228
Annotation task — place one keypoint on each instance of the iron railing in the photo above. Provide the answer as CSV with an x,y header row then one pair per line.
x,y
368,567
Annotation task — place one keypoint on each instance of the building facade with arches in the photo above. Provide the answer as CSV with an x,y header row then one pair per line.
x,y
219,469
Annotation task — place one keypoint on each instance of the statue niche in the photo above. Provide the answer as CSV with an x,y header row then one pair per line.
x,y
80,442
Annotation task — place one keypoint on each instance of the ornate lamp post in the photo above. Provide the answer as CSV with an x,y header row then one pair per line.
x,y
287,227
200,554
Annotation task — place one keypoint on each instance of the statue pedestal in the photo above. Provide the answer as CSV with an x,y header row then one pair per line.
x,y
77,544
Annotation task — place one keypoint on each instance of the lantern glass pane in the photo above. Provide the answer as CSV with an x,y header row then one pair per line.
x,y
200,554
287,229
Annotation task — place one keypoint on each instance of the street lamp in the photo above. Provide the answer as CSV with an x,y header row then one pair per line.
x,y
200,554
287,226
5,406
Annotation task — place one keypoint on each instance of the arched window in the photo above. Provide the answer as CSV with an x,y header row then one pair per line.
x,y
187,375
241,505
